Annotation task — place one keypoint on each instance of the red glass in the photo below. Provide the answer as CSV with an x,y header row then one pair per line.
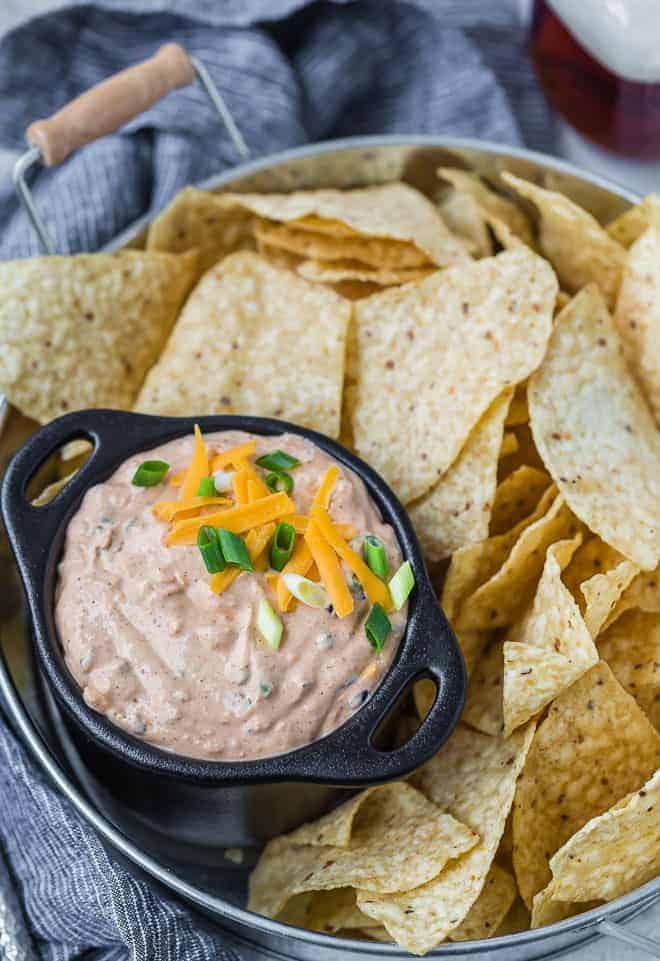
x,y
621,115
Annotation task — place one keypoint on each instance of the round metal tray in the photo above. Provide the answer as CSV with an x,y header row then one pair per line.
x,y
206,879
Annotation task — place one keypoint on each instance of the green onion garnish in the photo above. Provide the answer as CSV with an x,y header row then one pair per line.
x,y
377,628
270,627
150,473
207,488
401,585
209,547
309,592
282,545
279,480
278,460
376,556
234,550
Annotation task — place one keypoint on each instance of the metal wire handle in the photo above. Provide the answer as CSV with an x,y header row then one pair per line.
x,y
34,154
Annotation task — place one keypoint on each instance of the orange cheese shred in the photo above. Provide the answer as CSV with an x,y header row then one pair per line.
x,y
169,510
332,576
231,457
373,587
176,480
326,487
199,468
235,519
253,478
239,483
297,521
299,563
256,542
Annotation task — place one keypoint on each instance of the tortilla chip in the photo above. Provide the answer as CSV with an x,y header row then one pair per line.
x,y
554,647
602,591
433,355
498,601
279,258
516,496
198,220
398,838
593,557
637,315
367,251
52,490
254,340
594,746
483,705
613,853
465,218
489,910
476,775
498,211
396,211
337,271
518,409
509,444
334,829
518,919
472,566
547,911
643,594
630,225
456,511
631,647
330,911
83,331
576,245
595,433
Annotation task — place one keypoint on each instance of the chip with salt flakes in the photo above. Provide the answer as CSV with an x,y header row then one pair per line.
x,y
553,648
475,775
631,224
576,245
637,315
612,853
631,647
399,840
198,220
503,597
491,907
595,432
572,773
516,496
395,211
433,355
83,331
457,510
337,271
245,318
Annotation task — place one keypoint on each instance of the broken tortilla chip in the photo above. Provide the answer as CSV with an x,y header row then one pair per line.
x,y
243,317
433,355
576,245
631,647
83,331
595,433
637,315
572,774
456,511
476,775
554,646
631,224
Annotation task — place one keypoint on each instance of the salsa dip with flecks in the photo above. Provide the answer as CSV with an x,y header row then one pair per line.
x,y
231,596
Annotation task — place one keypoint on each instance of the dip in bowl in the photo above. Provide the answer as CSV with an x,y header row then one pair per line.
x,y
156,648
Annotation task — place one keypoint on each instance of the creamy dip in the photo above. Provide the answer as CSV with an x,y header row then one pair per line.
x,y
162,656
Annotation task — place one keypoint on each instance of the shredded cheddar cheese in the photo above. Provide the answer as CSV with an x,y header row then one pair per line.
x,y
231,457
199,468
239,483
256,542
332,576
373,587
171,510
326,487
235,519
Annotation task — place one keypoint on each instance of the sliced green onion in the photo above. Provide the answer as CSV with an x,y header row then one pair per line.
x,y
150,473
279,480
234,550
282,545
278,460
401,585
377,628
209,547
376,556
309,592
207,488
270,627
222,480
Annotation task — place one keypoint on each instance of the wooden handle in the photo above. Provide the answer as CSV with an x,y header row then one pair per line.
x,y
110,104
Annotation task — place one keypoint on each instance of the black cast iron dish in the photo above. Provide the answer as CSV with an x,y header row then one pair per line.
x,y
223,802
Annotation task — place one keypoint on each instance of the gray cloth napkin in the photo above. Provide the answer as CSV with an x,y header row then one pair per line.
x,y
290,72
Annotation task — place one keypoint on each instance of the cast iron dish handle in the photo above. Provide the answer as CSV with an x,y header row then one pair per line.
x,y
346,756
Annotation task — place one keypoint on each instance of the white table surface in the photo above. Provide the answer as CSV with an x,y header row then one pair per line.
x,y
642,178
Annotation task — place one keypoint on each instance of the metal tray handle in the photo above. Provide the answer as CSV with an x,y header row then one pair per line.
x,y
104,109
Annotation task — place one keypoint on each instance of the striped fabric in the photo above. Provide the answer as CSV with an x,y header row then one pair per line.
x,y
291,72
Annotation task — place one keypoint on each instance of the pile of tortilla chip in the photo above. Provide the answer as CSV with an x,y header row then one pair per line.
x,y
495,356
